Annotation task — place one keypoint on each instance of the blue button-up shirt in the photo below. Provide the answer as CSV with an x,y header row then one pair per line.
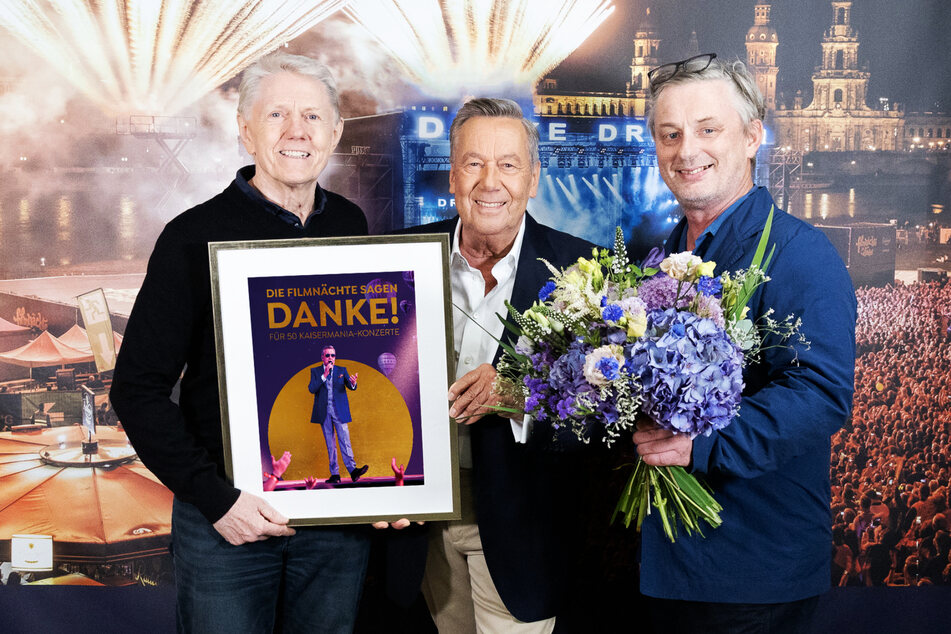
x,y
711,231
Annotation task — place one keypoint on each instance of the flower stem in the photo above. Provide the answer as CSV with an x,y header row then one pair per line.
x,y
677,496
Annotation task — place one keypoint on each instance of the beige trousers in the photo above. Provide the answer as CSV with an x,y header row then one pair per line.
x,y
457,586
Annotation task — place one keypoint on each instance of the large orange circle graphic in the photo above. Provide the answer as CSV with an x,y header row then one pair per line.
x,y
381,428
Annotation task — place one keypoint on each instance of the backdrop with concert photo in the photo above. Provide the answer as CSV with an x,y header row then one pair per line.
x,y
106,134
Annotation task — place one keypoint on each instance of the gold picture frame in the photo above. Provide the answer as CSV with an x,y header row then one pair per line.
x,y
383,304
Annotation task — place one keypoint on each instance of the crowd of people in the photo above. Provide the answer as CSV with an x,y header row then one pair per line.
x,y
891,462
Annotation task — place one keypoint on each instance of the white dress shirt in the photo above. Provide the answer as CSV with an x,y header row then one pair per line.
x,y
472,345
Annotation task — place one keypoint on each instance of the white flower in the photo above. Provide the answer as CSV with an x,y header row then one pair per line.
x,y
634,307
681,266
524,345
591,371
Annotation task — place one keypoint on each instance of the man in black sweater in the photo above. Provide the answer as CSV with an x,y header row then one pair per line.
x,y
238,566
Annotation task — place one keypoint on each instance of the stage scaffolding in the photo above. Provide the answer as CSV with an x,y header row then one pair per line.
x,y
171,134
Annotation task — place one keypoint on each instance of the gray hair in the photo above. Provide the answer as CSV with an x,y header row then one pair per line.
x,y
749,101
489,107
280,62
747,98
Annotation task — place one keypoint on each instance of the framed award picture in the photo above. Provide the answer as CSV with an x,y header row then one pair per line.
x,y
334,360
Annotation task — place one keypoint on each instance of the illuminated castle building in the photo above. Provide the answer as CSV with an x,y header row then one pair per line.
x,y
927,130
838,119
761,43
645,57
549,100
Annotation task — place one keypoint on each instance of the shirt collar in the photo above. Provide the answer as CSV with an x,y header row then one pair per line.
x,y
243,180
504,267
714,226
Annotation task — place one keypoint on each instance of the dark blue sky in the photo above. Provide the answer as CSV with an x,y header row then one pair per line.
x,y
904,42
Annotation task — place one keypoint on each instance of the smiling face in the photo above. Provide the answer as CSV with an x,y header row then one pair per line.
x,y
492,177
703,147
290,130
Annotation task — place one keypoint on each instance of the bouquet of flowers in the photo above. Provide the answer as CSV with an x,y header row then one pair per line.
x,y
609,342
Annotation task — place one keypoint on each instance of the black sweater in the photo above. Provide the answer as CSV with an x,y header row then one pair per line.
x,y
171,327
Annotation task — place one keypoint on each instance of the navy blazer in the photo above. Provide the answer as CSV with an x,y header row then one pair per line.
x,y
524,494
770,467
318,387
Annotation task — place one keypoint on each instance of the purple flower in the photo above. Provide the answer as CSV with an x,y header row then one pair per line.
x,y
612,312
660,292
653,259
615,336
608,412
709,306
565,407
567,371
566,381
545,292
660,320
537,391
709,286
542,358
531,402
690,371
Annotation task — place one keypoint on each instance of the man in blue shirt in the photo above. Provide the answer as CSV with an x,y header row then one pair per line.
x,y
763,569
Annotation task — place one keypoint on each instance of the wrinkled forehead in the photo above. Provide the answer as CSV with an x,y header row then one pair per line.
x,y
699,99
492,136
288,87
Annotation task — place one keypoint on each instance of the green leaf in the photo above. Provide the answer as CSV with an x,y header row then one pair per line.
x,y
769,258
764,238
521,358
625,498
514,329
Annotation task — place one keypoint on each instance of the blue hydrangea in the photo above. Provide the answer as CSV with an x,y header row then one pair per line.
x,y
615,336
567,371
690,371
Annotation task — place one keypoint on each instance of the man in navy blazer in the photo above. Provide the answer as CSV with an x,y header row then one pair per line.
x,y
763,569
505,566
329,384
